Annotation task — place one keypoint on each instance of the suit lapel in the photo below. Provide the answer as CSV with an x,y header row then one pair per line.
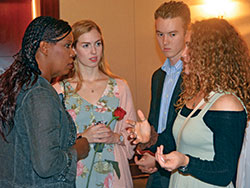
x,y
159,93
156,102
160,88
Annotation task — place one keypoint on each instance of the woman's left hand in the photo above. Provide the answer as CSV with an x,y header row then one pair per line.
x,y
172,160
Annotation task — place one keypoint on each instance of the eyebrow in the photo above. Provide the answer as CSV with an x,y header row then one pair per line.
x,y
69,41
90,42
174,31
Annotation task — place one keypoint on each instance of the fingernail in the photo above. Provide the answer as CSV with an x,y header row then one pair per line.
x,y
162,159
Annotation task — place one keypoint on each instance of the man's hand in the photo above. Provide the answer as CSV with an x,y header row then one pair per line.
x,y
141,131
146,163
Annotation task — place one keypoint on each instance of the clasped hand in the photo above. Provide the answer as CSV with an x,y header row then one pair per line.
x,y
146,163
99,134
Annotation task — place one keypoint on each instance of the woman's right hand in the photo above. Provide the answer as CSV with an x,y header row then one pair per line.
x,y
82,148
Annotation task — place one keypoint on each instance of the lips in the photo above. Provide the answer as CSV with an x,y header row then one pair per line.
x,y
166,49
93,59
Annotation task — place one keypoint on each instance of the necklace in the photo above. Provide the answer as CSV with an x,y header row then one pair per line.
x,y
89,88
93,83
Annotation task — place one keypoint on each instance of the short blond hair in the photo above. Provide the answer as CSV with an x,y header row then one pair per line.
x,y
173,9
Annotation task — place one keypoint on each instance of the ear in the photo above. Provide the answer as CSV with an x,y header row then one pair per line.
x,y
44,46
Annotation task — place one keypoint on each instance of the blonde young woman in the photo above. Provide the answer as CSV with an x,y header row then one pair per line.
x,y
91,94
210,125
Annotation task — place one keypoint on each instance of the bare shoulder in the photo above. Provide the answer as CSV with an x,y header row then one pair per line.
x,y
57,87
227,102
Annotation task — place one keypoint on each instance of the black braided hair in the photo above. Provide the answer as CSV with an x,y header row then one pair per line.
x,y
43,28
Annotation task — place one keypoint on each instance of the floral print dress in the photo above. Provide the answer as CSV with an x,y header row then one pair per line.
x,y
85,114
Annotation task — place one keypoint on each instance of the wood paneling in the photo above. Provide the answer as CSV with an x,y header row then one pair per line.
x,y
15,16
50,8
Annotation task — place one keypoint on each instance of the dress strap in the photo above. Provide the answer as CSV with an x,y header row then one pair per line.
x,y
211,95
212,100
210,103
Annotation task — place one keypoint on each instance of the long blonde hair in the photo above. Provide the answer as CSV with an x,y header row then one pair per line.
x,y
79,28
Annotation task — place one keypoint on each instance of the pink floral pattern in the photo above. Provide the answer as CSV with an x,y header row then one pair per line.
x,y
101,106
116,92
85,114
79,168
82,170
108,182
72,112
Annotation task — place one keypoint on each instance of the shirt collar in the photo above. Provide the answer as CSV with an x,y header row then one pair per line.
x,y
166,67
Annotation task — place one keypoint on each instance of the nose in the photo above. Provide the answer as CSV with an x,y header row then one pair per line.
x,y
165,39
72,53
93,49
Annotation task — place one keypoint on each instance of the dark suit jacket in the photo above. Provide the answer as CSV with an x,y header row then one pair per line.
x,y
166,136
156,92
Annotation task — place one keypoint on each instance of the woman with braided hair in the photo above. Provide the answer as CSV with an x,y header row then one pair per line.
x,y
38,146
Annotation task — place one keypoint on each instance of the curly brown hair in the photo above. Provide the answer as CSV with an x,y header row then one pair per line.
x,y
219,62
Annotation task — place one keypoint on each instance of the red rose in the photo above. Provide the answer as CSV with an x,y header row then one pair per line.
x,y
119,113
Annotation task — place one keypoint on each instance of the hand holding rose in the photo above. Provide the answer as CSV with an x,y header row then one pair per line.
x,y
99,134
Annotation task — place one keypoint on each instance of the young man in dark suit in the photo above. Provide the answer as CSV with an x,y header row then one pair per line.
x,y
171,24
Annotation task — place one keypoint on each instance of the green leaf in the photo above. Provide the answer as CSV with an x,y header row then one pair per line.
x,y
115,167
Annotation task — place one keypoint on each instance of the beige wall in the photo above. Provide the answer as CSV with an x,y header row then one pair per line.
x,y
128,30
